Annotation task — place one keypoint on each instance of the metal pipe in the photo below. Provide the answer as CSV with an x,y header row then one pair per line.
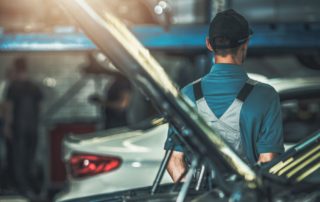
x,y
161,171
201,176
184,189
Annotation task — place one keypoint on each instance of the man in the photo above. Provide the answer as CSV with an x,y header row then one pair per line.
x,y
117,101
22,106
117,96
244,112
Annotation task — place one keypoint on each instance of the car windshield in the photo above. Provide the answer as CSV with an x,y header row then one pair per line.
x,y
129,56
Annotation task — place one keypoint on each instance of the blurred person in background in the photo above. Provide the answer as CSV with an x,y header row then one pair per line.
x,y
21,118
115,102
121,103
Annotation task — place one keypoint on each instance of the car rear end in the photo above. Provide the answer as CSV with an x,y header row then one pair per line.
x,y
114,160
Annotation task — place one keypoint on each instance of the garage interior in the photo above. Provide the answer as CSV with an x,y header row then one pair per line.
x,y
75,77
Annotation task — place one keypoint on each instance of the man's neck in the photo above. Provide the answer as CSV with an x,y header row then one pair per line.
x,y
227,60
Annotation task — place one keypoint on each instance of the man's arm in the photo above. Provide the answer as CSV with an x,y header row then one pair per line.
x,y
8,106
270,142
266,157
7,116
176,165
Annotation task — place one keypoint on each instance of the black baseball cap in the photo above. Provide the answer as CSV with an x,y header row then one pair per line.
x,y
231,25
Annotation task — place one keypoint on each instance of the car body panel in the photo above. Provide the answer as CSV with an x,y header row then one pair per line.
x,y
141,152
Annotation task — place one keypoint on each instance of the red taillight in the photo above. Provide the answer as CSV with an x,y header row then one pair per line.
x,y
87,165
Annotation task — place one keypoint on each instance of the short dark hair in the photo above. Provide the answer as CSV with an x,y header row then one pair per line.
x,y
223,41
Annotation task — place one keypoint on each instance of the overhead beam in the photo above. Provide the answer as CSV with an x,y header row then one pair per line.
x,y
181,38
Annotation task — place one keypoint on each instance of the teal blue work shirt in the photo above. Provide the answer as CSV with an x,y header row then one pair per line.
x,y
260,116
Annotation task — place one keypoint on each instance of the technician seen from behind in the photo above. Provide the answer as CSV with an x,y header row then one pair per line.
x,y
245,113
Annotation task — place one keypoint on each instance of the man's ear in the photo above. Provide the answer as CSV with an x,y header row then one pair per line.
x,y
208,44
246,44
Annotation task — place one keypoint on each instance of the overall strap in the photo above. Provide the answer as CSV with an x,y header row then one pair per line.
x,y
246,90
197,90
202,105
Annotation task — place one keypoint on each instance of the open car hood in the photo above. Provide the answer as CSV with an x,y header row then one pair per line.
x,y
135,61
131,58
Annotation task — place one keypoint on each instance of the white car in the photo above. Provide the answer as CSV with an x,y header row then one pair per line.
x,y
114,160
122,159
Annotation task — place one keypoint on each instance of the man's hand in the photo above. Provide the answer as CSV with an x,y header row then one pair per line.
x,y
266,157
176,165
